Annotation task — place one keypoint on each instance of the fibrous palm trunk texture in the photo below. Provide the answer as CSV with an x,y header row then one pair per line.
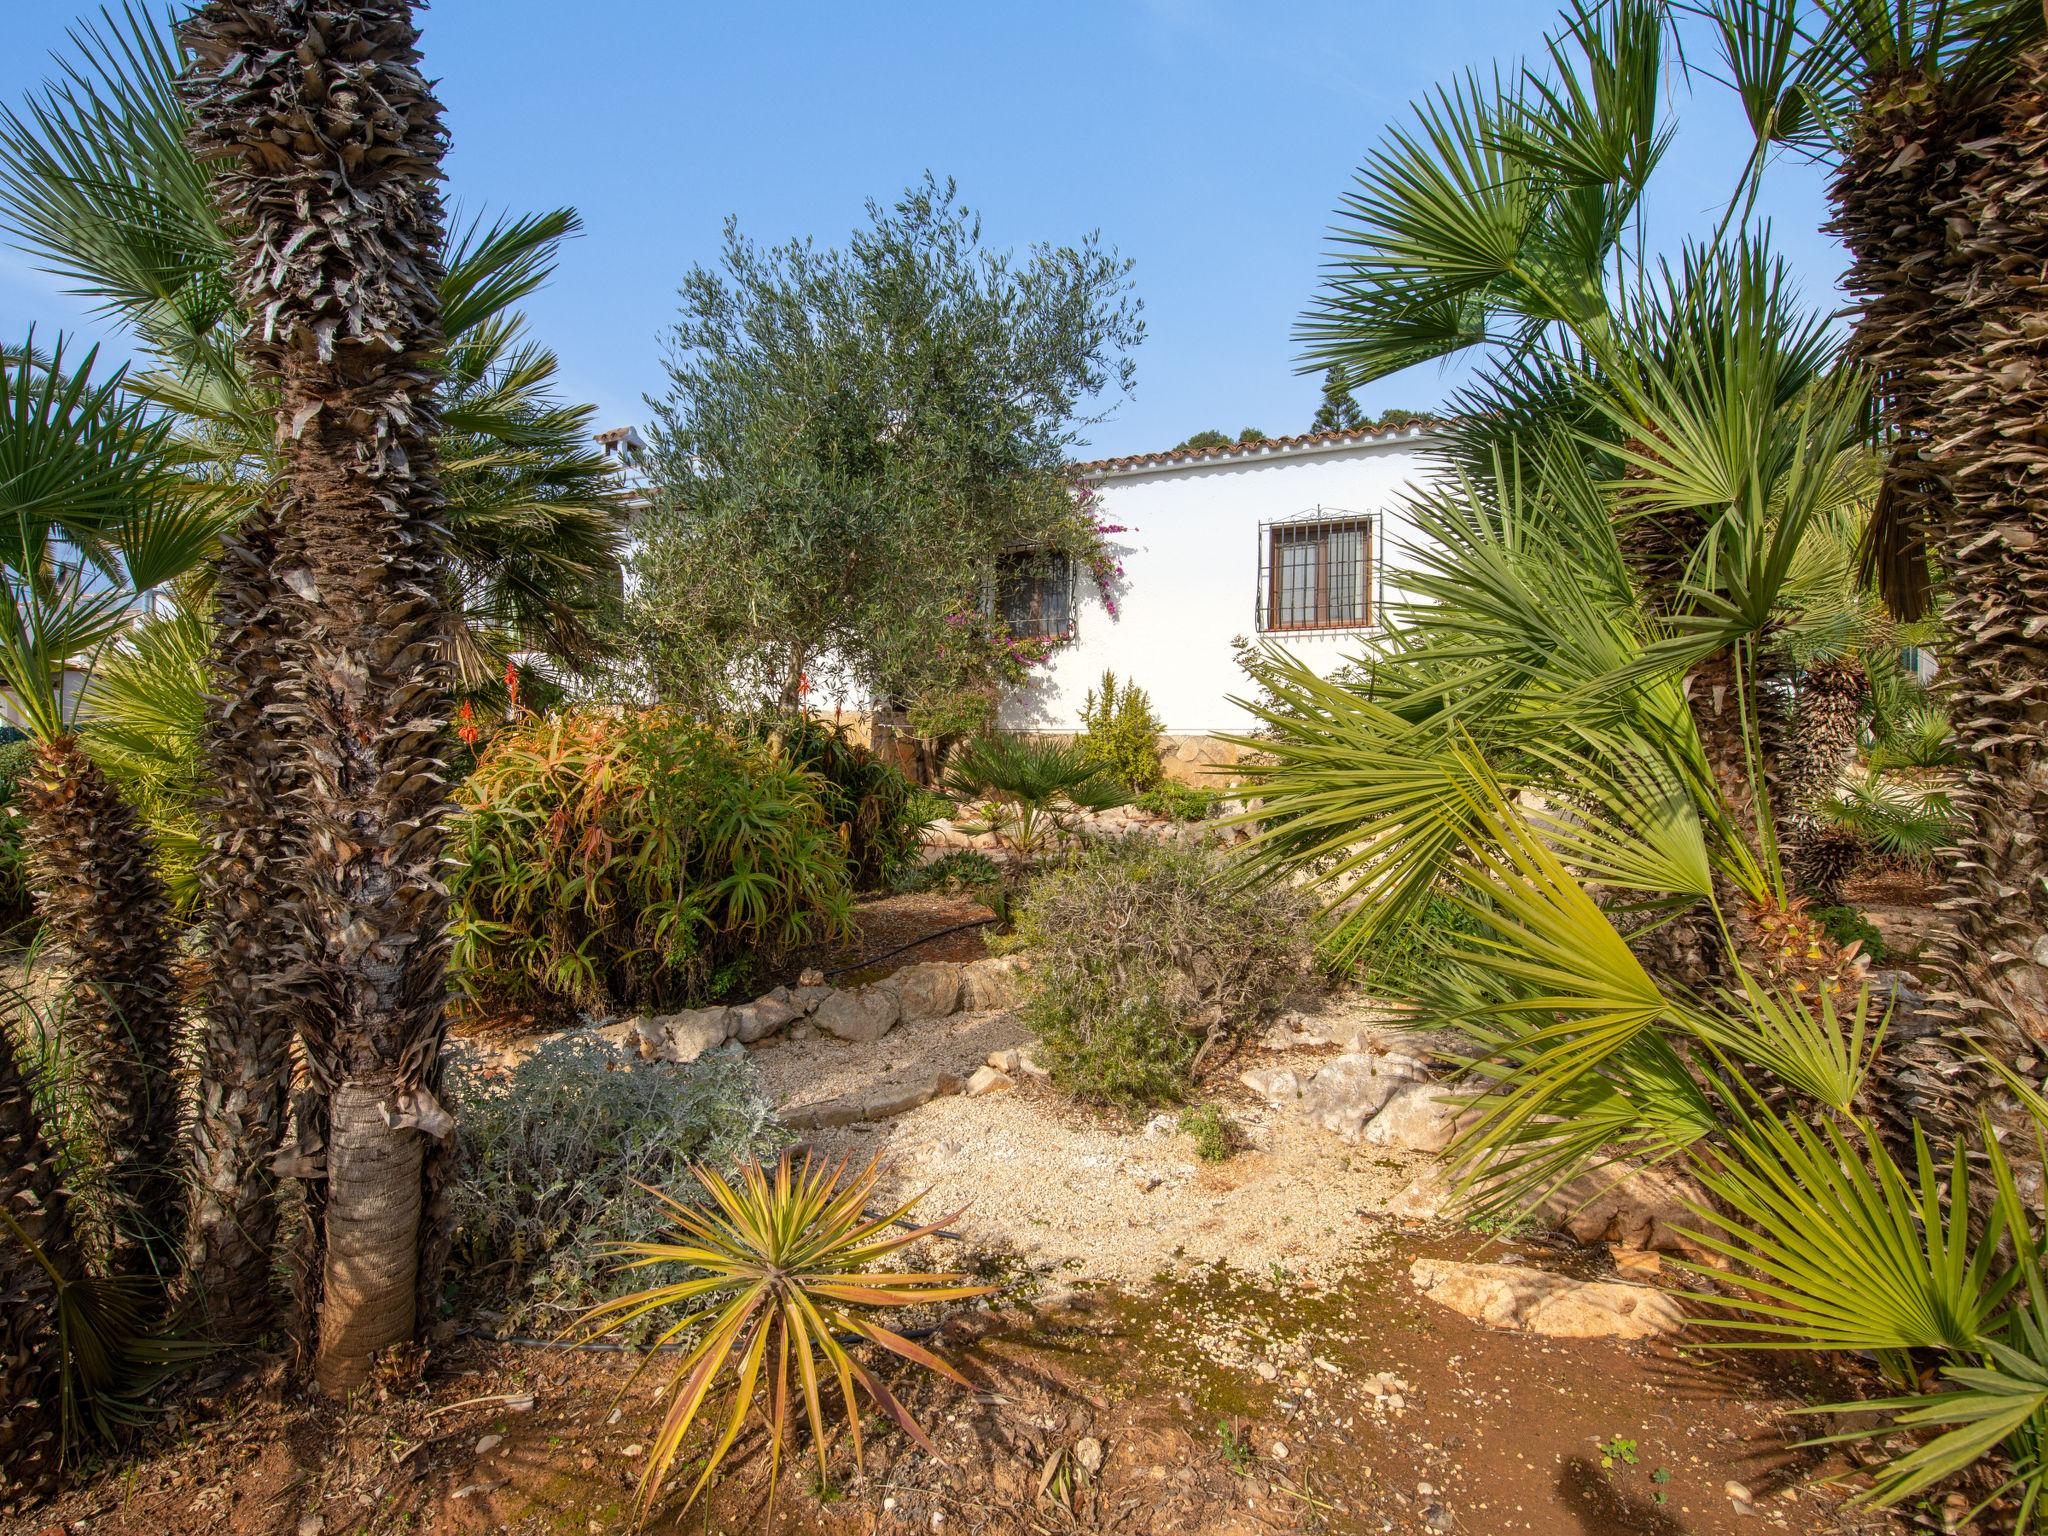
x,y
1989,429
1816,742
105,906
1940,202
35,1239
331,143
245,1041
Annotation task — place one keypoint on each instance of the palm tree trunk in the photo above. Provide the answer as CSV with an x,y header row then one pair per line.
x,y
35,1238
103,902
332,142
1896,196
1990,434
1818,742
245,1045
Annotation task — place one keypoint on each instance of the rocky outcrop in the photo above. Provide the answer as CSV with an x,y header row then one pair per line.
x,y
997,982
1345,1092
684,1036
1418,1117
876,1104
929,991
1633,1208
1512,1296
865,1014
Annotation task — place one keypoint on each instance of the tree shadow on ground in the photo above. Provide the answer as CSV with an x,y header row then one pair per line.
x,y
1602,1509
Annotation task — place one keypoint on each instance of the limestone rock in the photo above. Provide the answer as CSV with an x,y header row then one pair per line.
x,y
929,991
886,1102
1292,1033
1419,1116
988,1079
1350,1089
824,1116
1276,1085
1526,1300
684,1036
1632,1208
762,1017
996,982
878,1104
808,998
1425,1196
1005,1061
867,1014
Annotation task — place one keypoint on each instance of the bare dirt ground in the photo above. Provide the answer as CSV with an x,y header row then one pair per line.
x,y
1213,1405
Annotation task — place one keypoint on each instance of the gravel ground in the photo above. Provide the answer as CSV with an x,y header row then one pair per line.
x,y
1090,1197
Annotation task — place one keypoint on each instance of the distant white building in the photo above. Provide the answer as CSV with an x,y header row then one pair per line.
x,y
1297,540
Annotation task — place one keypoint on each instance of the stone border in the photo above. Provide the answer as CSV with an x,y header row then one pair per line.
x,y
932,990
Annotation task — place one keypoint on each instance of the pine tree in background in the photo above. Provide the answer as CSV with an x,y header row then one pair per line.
x,y
1339,412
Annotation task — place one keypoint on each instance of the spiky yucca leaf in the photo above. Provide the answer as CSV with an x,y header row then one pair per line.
x,y
788,1264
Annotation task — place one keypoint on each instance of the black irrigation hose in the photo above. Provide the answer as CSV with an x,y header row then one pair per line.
x,y
861,965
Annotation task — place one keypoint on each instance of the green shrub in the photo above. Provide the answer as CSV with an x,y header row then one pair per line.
x,y
1404,960
1180,802
550,1154
1214,1133
1122,733
881,815
1144,951
640,863
1846,925
16,758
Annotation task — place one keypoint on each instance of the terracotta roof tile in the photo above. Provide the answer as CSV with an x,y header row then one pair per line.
x,y
1264,448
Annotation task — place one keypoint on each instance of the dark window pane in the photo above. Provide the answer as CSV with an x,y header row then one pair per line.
x,y
1319,575
1034,596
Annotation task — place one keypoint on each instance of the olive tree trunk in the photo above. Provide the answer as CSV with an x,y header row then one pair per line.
x,y
332,142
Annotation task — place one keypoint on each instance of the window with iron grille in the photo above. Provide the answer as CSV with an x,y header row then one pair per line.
x,y
1317,571
1034,595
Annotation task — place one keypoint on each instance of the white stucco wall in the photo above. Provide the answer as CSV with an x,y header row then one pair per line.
x,y
1191,567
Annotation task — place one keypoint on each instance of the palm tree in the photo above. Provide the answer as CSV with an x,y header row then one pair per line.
x,y
40,1255
1030,791
100,186
1929,116
339,251
99,183
92,519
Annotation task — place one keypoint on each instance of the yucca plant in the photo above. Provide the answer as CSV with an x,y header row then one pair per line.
x,y
786,1271
1030,791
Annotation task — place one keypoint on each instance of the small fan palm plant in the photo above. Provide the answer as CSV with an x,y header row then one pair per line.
x,y
1031,792
786,1269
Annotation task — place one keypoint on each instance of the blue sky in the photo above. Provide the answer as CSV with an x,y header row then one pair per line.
x,y
1207,141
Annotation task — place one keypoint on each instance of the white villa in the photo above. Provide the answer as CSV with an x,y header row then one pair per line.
x,y
1293,540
